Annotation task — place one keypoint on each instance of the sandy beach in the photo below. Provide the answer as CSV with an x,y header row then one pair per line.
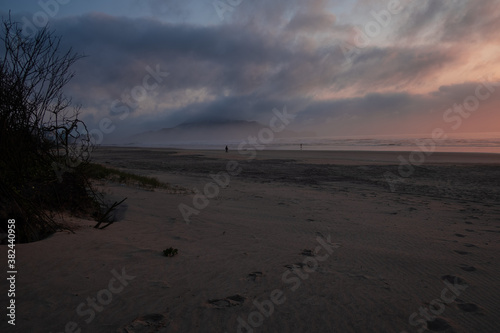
x,y
286,241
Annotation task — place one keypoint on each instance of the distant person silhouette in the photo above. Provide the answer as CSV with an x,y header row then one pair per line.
x,y
227,149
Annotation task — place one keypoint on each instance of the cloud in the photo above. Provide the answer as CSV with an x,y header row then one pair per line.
x,y
403,113
454,21
311,18
396,68
270,54
311,22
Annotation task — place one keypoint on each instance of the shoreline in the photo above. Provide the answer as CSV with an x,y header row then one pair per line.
x,y
346,157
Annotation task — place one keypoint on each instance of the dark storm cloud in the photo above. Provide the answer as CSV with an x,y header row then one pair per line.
x,y
264,55
171,9
119,49
237,60
116,44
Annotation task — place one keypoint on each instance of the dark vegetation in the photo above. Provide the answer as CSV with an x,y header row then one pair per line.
x,y
170,252
97,171
44,147
40,134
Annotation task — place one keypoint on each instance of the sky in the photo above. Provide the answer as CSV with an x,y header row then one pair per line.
x,y
343,67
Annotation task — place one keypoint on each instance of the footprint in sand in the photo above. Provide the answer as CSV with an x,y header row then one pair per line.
x,y
468,307
496,231
320,234
308,253
454,279
227,302
438,324
294,266
145,324
468,268
254,276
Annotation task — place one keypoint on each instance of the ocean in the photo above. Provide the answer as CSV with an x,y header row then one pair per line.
x,y
469,143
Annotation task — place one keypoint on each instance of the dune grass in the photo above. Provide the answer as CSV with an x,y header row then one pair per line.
x,y
98,171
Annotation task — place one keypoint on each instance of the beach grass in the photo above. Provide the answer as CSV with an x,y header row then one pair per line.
x,y
99,171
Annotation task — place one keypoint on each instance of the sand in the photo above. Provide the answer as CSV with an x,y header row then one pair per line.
x,y
297,241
